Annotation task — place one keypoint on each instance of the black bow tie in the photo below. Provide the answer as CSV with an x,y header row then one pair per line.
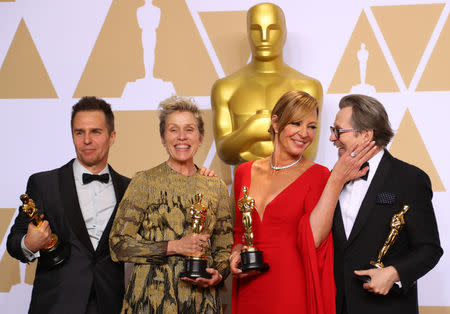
x,y
88,178
364,177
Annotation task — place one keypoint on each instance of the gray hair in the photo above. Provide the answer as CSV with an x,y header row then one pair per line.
x,y
182,104
369,114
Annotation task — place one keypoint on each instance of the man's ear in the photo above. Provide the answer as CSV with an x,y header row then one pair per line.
x,y
367,135
112,138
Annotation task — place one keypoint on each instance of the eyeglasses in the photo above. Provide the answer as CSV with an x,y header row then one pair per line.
x,y
337,132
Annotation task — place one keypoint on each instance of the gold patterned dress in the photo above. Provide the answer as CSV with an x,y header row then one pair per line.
x,y
155,210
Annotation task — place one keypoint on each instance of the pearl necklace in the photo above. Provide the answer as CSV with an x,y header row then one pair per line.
x,y
283,167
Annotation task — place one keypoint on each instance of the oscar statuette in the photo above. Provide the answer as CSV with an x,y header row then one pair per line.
x,y
397,223
195,266
251,258
54,253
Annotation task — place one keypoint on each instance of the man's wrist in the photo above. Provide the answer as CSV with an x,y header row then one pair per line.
x,y
29,254
394,273
26,242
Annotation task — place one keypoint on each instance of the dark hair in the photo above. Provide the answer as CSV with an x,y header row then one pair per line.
x,y
91,103
369,114
178,103
293,106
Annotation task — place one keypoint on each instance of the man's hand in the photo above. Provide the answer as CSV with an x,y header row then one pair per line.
x,y
382,279
205,283
38,238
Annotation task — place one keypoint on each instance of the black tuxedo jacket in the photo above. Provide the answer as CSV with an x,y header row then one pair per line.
x,y
416,250
67,287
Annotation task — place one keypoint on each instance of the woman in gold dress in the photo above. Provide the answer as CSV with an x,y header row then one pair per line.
x,y
153,226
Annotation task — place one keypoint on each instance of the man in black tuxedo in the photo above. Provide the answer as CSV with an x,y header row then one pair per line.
x,y
78,202
362,220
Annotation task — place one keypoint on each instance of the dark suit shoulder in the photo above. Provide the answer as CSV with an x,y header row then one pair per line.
x,y
44,175
407,170
124,179
118,175
50,173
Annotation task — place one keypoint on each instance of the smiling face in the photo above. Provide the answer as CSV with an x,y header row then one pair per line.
x,y
92,139
182,137
266,30
296,136
346,140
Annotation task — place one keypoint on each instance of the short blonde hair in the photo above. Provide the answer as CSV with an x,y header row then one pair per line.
x,y
182,104
293,106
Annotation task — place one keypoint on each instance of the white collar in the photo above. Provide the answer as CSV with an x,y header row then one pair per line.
x,y
79,169
374,162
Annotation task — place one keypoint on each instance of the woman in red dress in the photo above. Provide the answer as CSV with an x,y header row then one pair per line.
x,y
291,222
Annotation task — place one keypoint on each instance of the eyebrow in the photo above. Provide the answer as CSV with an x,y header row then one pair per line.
x,y
183,125
89,129
337,126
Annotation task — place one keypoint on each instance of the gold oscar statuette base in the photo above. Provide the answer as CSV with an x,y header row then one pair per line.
x,y
252,259
195,267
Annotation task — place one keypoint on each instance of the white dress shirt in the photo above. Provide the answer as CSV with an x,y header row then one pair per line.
x,y
97,201
353,193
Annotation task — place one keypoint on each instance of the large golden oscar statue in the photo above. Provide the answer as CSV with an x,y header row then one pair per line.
x,y
243,101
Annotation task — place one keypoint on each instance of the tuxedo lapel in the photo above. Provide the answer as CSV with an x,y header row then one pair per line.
x,y
72,209
369,200
119,189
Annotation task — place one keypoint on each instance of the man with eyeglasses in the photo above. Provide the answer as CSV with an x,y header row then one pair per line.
x,y
363,216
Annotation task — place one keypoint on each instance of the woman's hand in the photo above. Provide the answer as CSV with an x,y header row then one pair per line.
x,y
207,172
235,261
203,282
348,166
191,245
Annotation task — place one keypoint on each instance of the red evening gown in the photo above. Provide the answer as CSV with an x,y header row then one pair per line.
x,y
300,278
